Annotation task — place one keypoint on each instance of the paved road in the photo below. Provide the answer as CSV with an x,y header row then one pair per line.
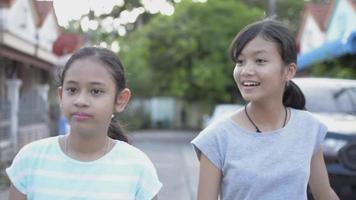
x,y
3,194
174,158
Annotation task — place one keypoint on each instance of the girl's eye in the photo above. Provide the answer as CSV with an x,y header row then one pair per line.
x,y
96,91
261,61
239,63
71,90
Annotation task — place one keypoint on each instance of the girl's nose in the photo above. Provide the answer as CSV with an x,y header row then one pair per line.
x,y
81,100
248,69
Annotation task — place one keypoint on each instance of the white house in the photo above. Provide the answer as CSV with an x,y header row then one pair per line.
x,y
28,29
327,31
342,21
313,26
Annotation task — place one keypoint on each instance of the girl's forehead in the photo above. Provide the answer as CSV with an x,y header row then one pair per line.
x,y
88,69
260,45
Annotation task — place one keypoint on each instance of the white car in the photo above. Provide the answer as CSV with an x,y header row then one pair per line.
x,y
333,102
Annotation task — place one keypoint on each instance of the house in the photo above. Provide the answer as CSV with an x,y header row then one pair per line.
x,y
312,32
327,31
342,21
28,29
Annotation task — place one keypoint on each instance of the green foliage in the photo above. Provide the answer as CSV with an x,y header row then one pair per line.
x,y
288,11
186,55
344,67
135,58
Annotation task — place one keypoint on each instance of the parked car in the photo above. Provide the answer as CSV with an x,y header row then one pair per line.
x,y
220,111
333,101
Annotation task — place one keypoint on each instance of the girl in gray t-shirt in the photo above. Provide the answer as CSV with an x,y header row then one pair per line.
x,y
270,149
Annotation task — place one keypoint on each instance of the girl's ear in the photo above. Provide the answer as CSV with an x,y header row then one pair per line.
x,y
122,99
290,71
60,92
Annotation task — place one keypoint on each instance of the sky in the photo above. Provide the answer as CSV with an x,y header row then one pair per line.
x,y
67,10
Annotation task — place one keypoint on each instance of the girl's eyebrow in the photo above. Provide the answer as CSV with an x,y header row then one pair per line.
x,y
97,83
91,83
256,52
71,82
259,52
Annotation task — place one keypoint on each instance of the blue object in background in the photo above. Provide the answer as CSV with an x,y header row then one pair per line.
x,y
329,50
63,126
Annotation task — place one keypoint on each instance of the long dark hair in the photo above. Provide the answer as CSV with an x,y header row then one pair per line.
x,y
276,32
110,60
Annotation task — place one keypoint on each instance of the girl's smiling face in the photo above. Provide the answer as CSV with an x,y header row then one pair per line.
x,y
88,95
260,72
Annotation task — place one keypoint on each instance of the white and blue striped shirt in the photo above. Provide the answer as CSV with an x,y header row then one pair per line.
x,y
42,171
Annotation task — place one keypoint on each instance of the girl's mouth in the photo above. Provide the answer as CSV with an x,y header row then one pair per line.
x,y
81,116
250,83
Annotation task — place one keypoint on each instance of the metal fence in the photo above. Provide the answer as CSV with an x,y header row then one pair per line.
x,y
33,117
32,109
5,144
32,122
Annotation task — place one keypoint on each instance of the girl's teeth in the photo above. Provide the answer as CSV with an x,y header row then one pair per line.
x,y
250,84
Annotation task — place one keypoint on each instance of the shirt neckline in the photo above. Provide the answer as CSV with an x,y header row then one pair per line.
x,y
265,133
66,157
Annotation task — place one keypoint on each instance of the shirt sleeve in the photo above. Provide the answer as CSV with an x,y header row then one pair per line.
x,y
19,170
320,137
209,143
149,184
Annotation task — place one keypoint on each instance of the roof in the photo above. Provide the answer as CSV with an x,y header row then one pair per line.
x,y
320,13
43,8
353,4
6,3
67,43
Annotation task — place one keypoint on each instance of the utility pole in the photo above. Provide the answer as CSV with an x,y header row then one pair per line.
x,y
271,9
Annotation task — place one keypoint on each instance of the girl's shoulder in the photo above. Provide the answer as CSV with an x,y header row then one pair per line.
x,y
130,152
37,145
304,115
218,129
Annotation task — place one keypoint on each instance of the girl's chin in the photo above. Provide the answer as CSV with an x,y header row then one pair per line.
x,y
249,97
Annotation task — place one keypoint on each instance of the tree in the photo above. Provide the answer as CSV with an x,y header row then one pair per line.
x,y
342,67
287,11
186,54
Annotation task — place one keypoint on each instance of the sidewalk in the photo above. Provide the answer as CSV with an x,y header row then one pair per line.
x,y
4,194
175,161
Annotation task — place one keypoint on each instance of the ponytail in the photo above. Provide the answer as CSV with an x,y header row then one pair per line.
x,y
116,132
293,96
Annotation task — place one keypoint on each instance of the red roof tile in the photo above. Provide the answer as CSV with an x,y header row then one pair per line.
x,y
5,3
320,12
67,43
42,9
353,4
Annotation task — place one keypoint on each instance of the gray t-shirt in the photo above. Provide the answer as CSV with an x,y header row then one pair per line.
x,y
265,166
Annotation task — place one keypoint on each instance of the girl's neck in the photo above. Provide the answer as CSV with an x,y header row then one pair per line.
x,y
86,148
267,116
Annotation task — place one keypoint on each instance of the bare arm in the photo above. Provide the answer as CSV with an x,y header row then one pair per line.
x,y
14,194
209,180
319,180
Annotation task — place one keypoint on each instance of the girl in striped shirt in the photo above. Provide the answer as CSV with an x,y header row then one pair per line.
x,y
94,160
